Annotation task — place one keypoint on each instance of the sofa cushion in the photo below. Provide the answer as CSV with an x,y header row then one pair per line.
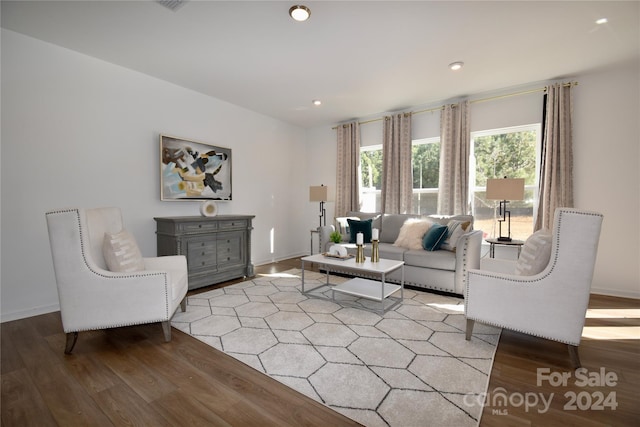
x,y
444,219
121,252
360,226
440,260
535,254
388,251
412,232
434,238
391,224
455,229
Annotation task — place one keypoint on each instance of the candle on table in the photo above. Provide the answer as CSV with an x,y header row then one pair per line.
x,y
374,234
359,239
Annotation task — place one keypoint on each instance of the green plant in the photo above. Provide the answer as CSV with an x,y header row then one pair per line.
x,y
335,237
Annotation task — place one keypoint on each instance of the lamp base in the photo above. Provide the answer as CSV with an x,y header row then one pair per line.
x,y
504,239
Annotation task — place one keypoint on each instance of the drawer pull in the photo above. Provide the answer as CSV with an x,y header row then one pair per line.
x,y
199,225
228,241
202,253
228,259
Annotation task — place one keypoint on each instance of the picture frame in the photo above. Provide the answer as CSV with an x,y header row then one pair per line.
x,y
192,170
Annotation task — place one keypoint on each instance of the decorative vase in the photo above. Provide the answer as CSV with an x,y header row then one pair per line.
x,y
375,253
360,253
208,208
338,250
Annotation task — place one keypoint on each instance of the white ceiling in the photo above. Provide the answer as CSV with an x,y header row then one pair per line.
x,y
360,58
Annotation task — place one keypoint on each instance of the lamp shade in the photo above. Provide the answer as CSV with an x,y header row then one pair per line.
x,y
505,189
318,193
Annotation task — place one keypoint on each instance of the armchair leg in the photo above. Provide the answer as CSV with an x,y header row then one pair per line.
x,y
469,330
72,338
183,304
573,355
166,329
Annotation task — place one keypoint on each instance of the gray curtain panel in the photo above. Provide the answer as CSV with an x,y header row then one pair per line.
x,y
556,168
453,194
348,159
397,170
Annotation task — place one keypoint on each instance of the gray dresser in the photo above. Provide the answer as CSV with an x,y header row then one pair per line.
x,y
217,248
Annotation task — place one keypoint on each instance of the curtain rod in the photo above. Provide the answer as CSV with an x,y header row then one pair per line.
x,y
492,98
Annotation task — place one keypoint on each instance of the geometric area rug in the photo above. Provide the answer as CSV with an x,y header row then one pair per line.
x,y
409,367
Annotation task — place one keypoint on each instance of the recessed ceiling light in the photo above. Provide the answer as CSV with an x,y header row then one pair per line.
x,y
299,12
601,21
316,102
455,66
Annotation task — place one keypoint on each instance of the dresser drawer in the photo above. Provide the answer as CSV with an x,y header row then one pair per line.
x,y
197,227
229,224
229,247
201,253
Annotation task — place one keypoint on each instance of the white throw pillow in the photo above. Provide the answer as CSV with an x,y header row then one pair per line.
x,y
535,254
412,232
455,229
121,252
342,226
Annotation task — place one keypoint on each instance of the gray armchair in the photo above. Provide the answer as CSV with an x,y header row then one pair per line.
x,y
551,304
93,297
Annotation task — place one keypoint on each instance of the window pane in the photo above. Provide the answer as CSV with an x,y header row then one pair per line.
x,y
510,153
425,203
426,165
370,178
371,168
425,158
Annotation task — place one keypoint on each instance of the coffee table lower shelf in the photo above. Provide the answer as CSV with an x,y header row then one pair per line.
x,y
369,289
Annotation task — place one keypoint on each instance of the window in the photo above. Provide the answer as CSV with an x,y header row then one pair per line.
x,y
371,178
425,154
425,157
511,152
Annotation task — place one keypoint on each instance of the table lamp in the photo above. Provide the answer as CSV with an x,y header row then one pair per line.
x,y
319,194
504,190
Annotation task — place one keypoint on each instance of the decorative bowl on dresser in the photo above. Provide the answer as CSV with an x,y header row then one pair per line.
x,y
217,248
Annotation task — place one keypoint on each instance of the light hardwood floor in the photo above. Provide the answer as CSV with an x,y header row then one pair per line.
x,y
129,376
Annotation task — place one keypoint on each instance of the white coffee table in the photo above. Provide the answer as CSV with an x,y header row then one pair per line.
x,y
360,287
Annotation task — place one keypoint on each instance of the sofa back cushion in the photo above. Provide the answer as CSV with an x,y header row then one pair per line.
x,y
444,219
391,225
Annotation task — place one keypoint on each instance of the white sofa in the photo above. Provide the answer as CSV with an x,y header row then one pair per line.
x,y
441,270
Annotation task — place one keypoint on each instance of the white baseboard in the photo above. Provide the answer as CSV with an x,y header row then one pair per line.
x,y
23,314
615,293
282,258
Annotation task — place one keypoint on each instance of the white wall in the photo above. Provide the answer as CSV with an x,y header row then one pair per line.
x,y
77,131
606,164
606,171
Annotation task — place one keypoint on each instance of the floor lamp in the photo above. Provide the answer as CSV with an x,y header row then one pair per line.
x,y
504,190
319,194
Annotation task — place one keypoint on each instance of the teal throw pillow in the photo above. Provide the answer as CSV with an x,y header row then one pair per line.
x,y
357,226
435,237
